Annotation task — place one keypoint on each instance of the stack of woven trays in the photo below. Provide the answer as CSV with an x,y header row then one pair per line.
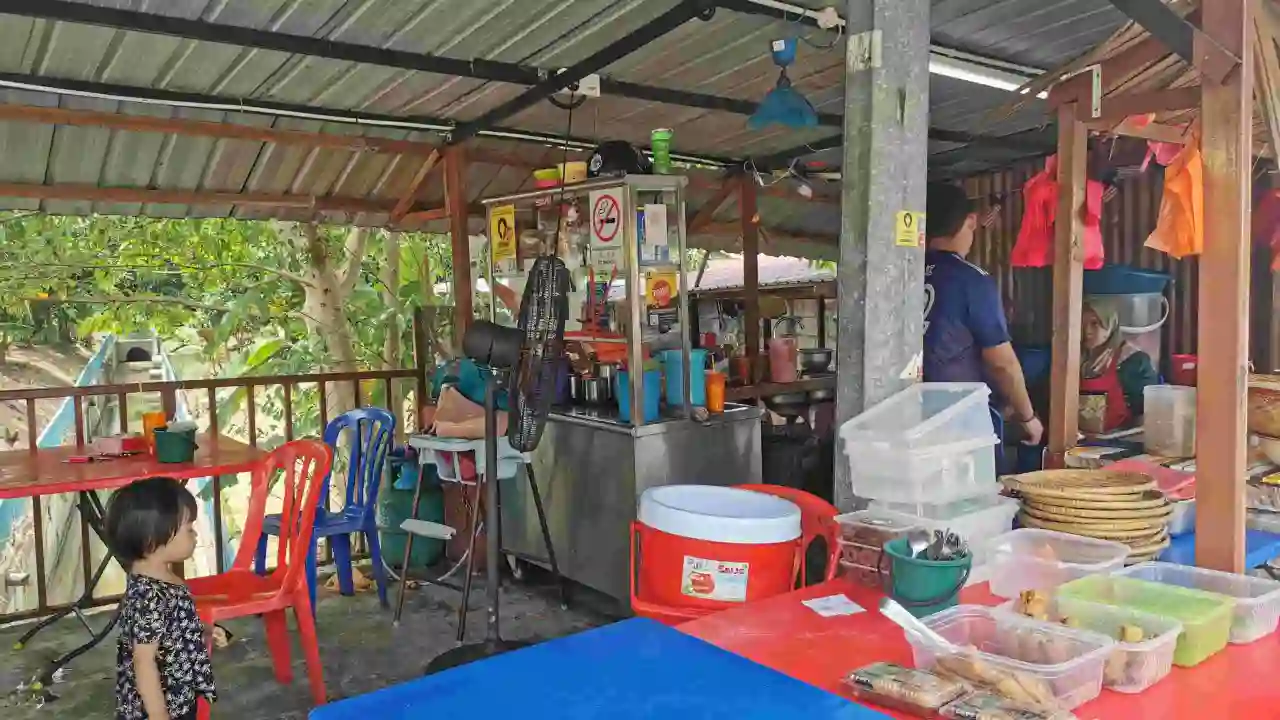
x,y
1124,507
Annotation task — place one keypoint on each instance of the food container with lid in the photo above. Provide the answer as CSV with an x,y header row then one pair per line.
x,y
1069,661
1205,617
1034,559
862,538
1133,666
977,528
1257,600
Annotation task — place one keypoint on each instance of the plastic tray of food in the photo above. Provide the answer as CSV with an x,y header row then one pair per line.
x,y
1066,661
1205,617
1034,559
918,692
990,706
872,529
1257,600
1145,643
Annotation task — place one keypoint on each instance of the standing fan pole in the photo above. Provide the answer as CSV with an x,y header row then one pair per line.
x,y
492,513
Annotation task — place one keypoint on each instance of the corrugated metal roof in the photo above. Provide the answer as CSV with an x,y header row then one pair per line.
x,y
726,56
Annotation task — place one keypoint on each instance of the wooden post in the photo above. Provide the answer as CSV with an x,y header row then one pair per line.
x,y
455,191
1226,112
750,274
1068,281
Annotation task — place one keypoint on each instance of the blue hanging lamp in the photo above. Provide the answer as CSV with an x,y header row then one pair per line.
x,y
783,105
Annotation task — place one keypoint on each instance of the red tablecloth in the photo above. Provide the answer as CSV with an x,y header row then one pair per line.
x,y
27,474
787,636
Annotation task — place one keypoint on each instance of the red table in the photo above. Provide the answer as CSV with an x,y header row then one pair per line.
x,y
787,636
24,474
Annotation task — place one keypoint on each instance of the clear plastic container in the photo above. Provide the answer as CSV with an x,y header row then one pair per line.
x,y
930,443
1132,666
1069,661
1257,606
862,538
943,511
1183,519
1169,420
1034,559
1205,617
976,528
917,692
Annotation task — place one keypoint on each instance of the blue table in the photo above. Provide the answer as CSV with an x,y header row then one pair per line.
x,y
632,670
1259,547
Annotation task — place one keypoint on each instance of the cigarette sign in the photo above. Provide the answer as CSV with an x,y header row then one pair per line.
x,y
606,217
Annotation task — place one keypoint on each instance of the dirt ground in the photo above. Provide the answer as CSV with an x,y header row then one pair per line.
x,y
360,648
35,367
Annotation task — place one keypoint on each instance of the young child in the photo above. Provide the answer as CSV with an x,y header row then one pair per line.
x,y
162,661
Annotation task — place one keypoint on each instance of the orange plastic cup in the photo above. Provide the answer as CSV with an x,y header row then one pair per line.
x,y
151,421
715,391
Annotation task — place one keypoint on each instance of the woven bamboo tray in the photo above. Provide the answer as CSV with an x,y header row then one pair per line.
x,y
1117,511
1101,533
1086,485
1140,523
1150,500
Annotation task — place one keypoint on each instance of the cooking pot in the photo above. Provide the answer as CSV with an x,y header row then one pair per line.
x,y
815,360
594,391
789,405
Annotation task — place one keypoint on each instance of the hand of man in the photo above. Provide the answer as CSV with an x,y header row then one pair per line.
x,y
1034,430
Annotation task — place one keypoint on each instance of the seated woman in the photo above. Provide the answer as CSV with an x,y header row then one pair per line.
x,y
1112,367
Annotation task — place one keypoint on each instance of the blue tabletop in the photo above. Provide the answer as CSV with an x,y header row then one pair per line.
x,y
1259,547
626,671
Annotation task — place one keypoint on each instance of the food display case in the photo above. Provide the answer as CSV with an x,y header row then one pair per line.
x,y
614,433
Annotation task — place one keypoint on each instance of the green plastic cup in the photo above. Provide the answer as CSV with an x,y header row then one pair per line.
x,y
660,142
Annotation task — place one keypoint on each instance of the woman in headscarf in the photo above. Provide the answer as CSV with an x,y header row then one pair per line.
x,y
1112,367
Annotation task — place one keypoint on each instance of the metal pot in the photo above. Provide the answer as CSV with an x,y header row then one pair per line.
x,y
576,392
594,391
606,372
824,395
789,405
815,360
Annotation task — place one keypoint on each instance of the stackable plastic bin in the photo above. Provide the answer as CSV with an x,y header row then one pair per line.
x,y
1257,600
1034,559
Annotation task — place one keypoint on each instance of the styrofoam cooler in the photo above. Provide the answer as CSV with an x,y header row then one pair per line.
x,y
931,443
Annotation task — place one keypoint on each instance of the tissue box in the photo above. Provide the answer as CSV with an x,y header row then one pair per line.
x,y
120,444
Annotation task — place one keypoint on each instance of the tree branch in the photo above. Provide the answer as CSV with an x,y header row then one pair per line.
x,y
280,272
357,240
121,299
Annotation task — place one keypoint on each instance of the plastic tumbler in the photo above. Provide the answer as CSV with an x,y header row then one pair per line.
x,y
715,391
151,421
660,143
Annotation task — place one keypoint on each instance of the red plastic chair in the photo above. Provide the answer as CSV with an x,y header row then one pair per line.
x,y
817,519
302,466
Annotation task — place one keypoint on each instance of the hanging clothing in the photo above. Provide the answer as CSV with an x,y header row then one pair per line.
x,y
1180,225
1034,247
1266,225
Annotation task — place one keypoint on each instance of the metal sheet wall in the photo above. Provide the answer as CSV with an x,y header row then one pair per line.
x,y
1127,220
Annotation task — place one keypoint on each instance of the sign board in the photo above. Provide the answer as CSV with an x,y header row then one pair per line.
x,y
502,230
606,219
908,229
661,288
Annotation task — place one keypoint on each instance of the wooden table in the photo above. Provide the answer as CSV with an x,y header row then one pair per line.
x,y
787,636
27,474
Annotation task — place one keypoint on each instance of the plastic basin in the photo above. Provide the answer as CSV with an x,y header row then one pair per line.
x,y
1034,559
1257,600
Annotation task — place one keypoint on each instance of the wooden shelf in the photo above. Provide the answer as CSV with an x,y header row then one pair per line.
x,y
759,390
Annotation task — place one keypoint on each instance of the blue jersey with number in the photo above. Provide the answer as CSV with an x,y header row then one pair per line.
x,y
963,316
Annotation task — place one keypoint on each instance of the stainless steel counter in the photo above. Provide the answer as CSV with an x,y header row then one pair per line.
x,y
592,469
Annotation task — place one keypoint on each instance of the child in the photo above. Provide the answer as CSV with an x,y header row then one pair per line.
x,y
162,661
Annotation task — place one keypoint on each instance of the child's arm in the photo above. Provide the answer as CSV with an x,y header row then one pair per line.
x,y
147,672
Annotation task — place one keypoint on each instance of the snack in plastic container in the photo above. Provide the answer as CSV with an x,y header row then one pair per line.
x,y
989,706
1013,685
918,692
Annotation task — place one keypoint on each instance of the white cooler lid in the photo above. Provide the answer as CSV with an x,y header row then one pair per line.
x,y
720,514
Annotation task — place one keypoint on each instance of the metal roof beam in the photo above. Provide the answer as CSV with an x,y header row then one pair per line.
x,y
1017,142
602,58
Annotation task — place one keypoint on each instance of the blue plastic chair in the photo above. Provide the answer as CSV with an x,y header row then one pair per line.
x,y
369,443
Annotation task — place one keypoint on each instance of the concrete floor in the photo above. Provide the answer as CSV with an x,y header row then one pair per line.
x,y
361,650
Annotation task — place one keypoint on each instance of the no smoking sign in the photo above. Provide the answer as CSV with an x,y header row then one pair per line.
x,y
606,218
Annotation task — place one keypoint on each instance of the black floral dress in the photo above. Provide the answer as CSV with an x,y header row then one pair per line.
x,y
164,614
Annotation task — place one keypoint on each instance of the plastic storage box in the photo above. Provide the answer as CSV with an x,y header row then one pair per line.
x,y
1033,559
1205,617
1019,644
976,528
1257,606
943,511
930,443
1132,666
1169,421
862,538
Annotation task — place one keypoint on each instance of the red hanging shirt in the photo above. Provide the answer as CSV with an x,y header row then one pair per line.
x,y
1035,238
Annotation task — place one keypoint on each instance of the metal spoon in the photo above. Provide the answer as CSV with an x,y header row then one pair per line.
x,y
917,541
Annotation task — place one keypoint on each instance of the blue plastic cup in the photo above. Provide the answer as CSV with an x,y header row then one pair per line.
x,y
673,368
652,389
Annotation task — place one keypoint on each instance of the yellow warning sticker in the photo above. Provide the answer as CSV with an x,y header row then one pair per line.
x,y
909,229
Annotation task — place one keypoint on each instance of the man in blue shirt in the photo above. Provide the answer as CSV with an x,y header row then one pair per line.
x,y
965,336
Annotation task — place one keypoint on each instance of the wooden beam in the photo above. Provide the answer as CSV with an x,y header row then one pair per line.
x,y
1226,116
708,211
1151,131
455,196
441,213
749,222
1118,107
411,193
1068,280
94,193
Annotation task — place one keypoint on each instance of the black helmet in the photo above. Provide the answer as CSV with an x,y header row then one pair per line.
x,y
618,157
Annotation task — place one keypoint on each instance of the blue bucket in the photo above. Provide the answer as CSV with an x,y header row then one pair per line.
x,y
673,368
1124,280
652,389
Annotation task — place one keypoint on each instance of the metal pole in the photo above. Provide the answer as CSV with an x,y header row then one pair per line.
x,y
493,574
880,280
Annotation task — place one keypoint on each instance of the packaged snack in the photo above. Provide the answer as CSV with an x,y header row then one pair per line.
x,y
989,706
918,692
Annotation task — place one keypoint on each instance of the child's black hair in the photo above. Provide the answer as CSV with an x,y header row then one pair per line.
x,y
145,515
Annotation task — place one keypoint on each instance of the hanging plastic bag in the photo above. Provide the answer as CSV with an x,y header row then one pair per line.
x,y
1266,225
1034,247
1180,225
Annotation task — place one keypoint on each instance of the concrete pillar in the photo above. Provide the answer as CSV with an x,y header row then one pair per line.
x,y
881,279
